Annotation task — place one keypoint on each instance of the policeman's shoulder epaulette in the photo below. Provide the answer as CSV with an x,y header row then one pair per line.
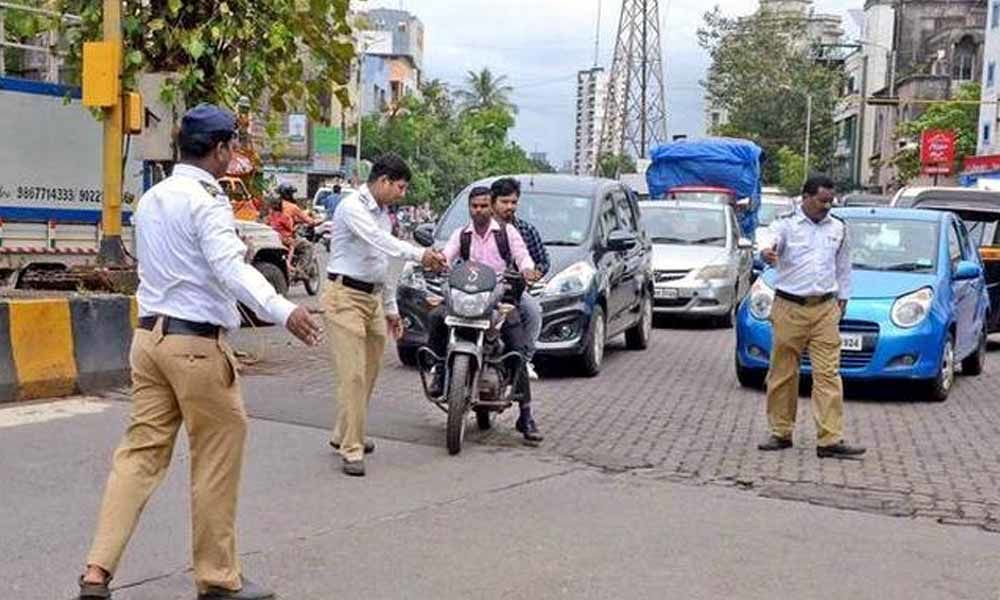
x,y
211,188
838,218
786,215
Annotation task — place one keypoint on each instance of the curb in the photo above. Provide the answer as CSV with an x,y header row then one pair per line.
x,y
52,347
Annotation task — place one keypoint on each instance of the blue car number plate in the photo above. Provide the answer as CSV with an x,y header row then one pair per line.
x,y
851,341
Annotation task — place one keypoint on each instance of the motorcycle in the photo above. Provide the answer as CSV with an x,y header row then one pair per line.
x,y
480,375
305,264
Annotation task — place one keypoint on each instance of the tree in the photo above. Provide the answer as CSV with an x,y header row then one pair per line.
x,y
483,90
287,54
447,148
960,115
761,73
613,165
791,170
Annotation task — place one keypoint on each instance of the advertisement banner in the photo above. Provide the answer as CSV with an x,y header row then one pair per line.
x,y
937,151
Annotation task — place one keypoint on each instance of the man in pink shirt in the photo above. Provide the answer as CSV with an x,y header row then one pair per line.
x,y
486,241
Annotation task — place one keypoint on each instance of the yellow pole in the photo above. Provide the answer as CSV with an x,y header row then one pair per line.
x,y
112,250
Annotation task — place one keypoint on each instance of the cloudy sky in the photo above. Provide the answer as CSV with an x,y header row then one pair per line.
x,y
541,44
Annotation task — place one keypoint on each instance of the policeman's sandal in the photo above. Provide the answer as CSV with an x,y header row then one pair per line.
x,y
369,446
94,591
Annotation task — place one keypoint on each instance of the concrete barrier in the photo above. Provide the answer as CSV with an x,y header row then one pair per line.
x,y
66,345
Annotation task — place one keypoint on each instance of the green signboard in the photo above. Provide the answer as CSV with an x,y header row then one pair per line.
x,y
327,141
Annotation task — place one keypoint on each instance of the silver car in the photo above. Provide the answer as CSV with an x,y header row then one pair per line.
x,y
701,266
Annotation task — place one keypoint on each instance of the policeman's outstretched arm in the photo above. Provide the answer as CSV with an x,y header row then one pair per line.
x,y
222,248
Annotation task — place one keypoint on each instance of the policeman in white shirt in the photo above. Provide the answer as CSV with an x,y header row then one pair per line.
x,y
191,275
812,256
360,301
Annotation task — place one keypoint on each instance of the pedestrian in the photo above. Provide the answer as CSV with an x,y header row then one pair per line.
x,y
360,303
506,193
191,275
812,257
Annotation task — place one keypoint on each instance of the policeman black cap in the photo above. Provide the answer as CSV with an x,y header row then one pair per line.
x,y
207,118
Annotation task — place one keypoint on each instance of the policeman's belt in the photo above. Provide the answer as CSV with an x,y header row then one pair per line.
x,y
805,300
175,326
354,284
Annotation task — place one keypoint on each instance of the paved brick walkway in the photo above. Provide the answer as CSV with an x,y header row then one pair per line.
x,y
676,411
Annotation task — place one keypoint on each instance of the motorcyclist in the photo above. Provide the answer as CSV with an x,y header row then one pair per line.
x,y
291,209
485,241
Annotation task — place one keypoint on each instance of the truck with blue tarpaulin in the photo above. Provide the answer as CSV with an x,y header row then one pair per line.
x,y
710,167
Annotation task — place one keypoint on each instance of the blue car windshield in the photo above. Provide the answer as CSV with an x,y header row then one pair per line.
x,y
893,245
560,220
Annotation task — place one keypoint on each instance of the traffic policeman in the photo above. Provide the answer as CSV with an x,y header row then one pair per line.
x,y
360,302
191,276
812,256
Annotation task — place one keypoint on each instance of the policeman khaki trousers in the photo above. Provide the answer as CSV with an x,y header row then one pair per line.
x,y
356,329
191,380
795,328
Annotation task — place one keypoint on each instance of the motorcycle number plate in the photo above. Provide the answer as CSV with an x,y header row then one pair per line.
x,y
453,321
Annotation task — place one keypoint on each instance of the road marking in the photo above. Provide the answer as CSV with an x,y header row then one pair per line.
x,y
50,411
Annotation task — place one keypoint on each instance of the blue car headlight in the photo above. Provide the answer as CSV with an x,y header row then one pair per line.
x,y
910,310
761,299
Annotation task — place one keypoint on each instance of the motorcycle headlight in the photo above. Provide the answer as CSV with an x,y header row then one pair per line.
x,y
712,272
910,310
469,305
761,300
410,277
573,280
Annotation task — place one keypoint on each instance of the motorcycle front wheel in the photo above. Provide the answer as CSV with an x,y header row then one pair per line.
x,y
458,402
314,275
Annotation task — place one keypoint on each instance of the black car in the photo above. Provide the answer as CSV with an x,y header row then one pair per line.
x,y
981,212
600,283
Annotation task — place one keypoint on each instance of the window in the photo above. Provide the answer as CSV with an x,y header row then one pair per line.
x,y
995,16
954,246
990,72
986,133
963,59
609,218
625,216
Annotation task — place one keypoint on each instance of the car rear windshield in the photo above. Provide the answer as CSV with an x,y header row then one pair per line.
x,y
769,210
893,245
714,197
560,220
685,225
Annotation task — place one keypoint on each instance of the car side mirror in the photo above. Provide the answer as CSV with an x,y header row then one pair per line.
x,y
965,270
424,235
744,244
619,241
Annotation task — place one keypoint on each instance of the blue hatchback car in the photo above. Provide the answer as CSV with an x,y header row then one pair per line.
x,y
918,307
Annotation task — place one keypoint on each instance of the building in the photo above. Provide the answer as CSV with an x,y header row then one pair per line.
x,y
822,32
591,96
866,72
937,47
988,141
392,43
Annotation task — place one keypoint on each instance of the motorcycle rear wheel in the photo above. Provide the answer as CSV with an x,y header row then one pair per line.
x,y
458,403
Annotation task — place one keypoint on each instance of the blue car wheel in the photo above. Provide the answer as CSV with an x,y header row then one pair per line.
x,y
749,378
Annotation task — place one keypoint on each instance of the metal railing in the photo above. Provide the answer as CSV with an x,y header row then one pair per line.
x,y
53,57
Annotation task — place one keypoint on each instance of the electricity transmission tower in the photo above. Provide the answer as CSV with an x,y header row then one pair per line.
x,y
636,111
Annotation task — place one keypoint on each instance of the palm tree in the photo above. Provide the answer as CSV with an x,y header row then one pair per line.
x,y
483,90
437,96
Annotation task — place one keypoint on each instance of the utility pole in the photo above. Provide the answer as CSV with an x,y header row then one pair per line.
x,y
635,116
112,251
809,113
859,135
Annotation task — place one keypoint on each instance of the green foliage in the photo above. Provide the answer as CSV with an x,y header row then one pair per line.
x,y
613,165
791,171
445,147
761,74
483,90
961,116
288,54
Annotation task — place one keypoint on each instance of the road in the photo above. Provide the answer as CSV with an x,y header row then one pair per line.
x,y
648,486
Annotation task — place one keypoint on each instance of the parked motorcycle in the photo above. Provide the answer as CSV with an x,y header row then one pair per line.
x,y
480,374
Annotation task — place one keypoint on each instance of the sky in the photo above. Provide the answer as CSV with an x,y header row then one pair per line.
x,y
541,44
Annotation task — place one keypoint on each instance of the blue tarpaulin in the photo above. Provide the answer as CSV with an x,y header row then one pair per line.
x,y
719,162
